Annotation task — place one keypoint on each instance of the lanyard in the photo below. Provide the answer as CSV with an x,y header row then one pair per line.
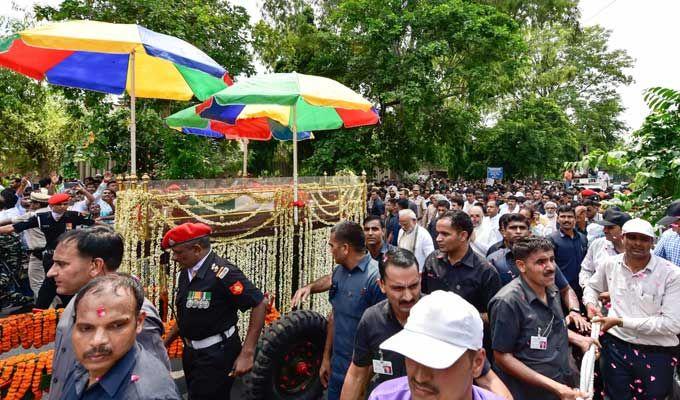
x,y
547,329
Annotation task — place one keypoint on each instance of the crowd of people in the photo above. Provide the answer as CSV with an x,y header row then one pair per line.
x,y
33,213
490,292
448,290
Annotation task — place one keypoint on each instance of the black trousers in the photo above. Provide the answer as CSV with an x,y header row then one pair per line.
x,y
207,370
49,288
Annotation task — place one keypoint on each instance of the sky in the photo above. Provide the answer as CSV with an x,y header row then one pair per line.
x,y
643,29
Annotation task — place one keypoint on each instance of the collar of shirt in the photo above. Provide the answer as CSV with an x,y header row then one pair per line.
x,y
363,263
651,265
194,270
56,216
115,378
551,291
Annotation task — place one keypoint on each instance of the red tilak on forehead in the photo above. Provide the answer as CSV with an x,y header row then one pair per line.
x,y
101,311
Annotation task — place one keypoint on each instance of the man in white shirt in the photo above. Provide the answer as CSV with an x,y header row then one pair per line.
x,y
643,322
482,237
469,199
414,237
551,217
510,207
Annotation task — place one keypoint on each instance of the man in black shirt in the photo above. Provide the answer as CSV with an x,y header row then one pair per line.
x,y
456,268
528,329
210,291
400,281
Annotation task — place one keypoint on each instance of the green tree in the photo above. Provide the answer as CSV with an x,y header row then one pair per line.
x,y
651,157
35,126
428,66
531,139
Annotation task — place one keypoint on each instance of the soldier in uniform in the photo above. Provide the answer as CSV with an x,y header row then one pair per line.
x,y
53,223
210,290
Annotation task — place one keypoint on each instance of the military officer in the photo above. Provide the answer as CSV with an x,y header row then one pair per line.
x,y
210,290
52,223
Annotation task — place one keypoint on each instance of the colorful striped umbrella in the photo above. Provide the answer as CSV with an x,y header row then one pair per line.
x,y
114,58
259,129
300,102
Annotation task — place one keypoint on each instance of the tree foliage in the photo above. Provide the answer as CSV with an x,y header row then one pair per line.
x,y
652,156
438,69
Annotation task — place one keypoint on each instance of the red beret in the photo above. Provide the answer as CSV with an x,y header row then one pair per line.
x,y
184,233
588,192
58,199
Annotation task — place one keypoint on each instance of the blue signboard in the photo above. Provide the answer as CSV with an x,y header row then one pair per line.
x,y
494,173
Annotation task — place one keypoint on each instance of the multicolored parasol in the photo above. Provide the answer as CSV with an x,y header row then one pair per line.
x,y
114,58
258,129
300,102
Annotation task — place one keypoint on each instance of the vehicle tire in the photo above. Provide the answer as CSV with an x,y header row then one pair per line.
x,y
288,359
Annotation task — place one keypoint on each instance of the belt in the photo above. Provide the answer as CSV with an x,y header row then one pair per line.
x,y
210,340
644,347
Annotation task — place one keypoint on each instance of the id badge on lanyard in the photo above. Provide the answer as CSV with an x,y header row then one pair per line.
x,y
382,367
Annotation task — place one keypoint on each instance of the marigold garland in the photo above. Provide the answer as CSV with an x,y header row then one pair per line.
x,y
24,373
28,329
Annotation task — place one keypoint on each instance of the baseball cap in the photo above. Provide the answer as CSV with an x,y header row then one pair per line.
x,y
613,217
637,225
672,213
588,192
440,328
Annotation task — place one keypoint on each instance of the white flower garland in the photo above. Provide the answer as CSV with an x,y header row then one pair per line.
x,y
142,217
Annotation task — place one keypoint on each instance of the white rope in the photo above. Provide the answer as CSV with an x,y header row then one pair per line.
x,y
588,362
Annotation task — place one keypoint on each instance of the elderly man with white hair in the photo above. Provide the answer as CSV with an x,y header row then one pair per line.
x,y
551,216
414,237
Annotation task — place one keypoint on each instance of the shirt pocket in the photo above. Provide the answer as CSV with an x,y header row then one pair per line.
x,y
649,303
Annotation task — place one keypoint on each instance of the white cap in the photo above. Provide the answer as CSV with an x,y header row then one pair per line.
x,y
637,225
440,328
519,194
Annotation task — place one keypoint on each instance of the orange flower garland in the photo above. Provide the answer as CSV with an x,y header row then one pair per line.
x,y
272,313
23,373
176,348
29,329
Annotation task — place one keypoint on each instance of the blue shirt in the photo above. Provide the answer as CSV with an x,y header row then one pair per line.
x,y
393,226
669,247
138,375
351,293
398,389
569,253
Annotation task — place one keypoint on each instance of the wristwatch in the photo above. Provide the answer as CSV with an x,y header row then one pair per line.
x,y
576,310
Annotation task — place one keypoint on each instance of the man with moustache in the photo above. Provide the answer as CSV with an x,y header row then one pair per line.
x,y
108,317
641,327
82,255
442,347
400,281
210,292
528,331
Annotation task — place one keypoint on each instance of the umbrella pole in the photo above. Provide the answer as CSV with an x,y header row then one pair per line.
x,y
245,157
133,122
295,166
